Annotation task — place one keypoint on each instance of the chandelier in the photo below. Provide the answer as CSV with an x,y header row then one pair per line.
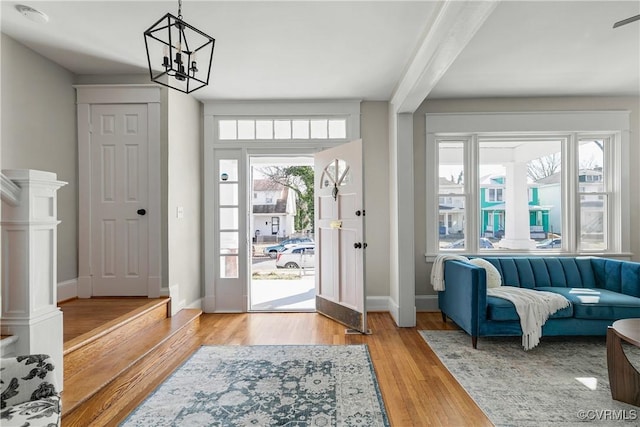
x,y
179,55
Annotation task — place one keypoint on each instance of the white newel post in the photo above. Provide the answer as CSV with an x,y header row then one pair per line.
x,y
29,264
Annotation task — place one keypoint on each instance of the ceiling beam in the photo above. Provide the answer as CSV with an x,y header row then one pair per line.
x,y
453,27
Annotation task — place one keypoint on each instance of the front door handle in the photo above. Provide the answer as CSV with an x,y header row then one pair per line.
x,y
142,212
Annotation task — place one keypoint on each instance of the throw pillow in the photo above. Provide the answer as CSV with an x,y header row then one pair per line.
x,y
493,275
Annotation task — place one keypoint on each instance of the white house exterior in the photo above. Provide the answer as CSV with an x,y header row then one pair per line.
x,y
274,210
589,181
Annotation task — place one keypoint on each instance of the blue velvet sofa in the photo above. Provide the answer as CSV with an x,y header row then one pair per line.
x,y
600,291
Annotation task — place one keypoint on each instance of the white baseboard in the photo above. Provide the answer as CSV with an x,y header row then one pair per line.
x,y
209,304
67,290
196,304
378,303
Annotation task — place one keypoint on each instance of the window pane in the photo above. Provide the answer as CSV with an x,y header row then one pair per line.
x,y
593,222
229,242
246,129
282,129
319,129
229,267
451,208
229,170
590,163
227,129
338,129
300,129
264,129
228,218
451,219
228,194
520,192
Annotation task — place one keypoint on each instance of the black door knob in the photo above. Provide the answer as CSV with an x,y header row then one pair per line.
x,y
357,245
142,211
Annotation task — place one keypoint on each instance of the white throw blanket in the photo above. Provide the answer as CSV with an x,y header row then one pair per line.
x,y
437,270
533,307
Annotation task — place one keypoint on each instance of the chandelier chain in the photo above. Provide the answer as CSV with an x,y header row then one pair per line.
x,y
179,9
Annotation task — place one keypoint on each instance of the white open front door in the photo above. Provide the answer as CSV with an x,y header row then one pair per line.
x,y
119,200
339,216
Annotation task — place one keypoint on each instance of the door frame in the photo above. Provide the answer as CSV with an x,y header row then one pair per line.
x,y
213,145
86,96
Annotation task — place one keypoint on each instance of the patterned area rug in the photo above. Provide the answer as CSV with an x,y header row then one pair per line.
x,y
268,386
562,382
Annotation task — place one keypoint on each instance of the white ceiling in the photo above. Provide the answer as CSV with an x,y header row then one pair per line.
x,y
352,50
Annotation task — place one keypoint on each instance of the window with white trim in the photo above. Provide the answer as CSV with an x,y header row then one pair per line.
x,y
281,129
519,196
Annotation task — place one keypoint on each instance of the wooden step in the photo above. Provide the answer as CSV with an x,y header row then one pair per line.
x,y
79,351
121,371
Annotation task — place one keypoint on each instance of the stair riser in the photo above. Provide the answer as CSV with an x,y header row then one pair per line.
x,y
121,395
80,357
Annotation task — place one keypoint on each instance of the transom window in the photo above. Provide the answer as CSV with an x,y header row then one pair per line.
x,y
282,129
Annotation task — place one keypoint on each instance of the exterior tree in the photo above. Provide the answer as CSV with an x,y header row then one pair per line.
x,y
300,180
544,166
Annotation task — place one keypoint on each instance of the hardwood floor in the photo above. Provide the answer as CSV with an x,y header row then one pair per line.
x,y
417,389
85,315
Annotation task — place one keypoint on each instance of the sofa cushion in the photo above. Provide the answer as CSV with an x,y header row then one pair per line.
x,y
29,377
493,275
501,309
617,276
590,303
534,272
44,412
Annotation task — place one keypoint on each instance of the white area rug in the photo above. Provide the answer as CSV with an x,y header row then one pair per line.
x,y
268,386
562,382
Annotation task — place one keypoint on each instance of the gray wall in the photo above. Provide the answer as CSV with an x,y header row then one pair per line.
x,y
423,269
39,132
185,135
374,130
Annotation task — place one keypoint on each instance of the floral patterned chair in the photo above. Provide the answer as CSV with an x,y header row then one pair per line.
x,y
29,392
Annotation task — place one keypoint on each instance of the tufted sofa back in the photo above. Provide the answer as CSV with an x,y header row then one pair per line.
x,y
617,276
579,272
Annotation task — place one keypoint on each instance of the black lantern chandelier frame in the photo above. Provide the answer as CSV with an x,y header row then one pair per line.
x,y
180,52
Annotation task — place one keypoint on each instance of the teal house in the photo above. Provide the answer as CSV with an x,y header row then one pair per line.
x,y
492,207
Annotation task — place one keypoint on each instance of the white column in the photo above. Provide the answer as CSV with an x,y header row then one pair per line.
x,y
29,265
402,261
516,216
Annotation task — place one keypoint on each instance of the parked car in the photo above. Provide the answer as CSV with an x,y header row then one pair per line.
x,y
297,256
272,251
459,244
550,244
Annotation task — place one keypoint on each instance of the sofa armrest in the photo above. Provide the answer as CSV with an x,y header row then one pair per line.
x,y
26,378
464,299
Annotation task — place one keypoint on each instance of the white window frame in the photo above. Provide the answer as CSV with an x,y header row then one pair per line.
x,y
572,126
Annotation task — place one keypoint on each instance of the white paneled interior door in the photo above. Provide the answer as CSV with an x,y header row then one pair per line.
x,y
339,210
119,200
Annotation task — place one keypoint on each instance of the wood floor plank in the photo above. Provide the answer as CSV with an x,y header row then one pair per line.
x,y
416,387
